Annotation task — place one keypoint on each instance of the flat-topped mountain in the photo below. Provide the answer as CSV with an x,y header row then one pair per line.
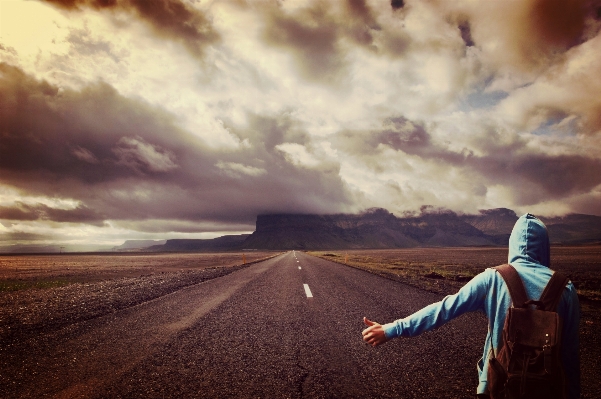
x,y
378,228
375,228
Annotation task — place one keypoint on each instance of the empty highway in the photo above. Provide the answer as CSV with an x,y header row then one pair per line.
x,y
287,327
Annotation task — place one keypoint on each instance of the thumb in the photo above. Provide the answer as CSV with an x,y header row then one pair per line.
x,y
368,322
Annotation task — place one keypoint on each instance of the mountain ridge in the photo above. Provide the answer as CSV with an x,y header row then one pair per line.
x,y
377,228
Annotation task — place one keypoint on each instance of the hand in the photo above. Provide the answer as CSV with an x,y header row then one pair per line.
x,y
374,334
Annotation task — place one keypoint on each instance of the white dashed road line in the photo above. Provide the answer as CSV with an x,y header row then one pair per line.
x,y
308,291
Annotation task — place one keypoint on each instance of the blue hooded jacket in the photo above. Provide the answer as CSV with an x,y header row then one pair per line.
x,y
487,292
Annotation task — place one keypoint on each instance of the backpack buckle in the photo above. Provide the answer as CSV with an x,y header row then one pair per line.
x,y
548,358
539,304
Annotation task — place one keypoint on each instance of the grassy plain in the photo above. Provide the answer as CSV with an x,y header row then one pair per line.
x,y
445,270
18,272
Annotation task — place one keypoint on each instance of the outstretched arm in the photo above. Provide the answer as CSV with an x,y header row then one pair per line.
x,y
374,334
469,298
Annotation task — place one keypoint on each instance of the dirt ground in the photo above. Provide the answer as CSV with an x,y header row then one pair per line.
x,y
48,292
18,272
444,270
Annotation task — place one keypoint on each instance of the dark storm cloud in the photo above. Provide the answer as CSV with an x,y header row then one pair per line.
x,y
553,26
559,23
466,33
311,36
122,159
537,177
25,212
19,212
396,4
401,134
92,135
528,35
171,19
361,23
314,36
23,236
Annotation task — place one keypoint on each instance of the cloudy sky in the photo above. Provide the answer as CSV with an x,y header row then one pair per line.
x,y
124,119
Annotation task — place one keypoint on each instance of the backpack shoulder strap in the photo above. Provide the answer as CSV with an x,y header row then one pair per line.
x,y
553,291
514,285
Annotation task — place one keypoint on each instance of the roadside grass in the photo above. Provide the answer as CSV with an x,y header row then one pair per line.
x,y
431,275
446,270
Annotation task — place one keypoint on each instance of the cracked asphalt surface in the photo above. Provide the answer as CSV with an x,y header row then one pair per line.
x,y
251,333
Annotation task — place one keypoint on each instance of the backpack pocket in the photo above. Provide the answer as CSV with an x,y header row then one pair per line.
x,y
497,378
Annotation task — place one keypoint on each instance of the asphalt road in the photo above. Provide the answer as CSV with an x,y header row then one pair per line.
x,y
256,333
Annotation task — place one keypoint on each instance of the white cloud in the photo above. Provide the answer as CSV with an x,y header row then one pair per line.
x,y
9,196
298,155
238,170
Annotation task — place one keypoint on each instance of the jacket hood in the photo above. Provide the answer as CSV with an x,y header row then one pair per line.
x,y
529,242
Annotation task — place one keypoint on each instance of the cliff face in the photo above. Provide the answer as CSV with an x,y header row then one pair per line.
x,y
380,229
493,221
374,229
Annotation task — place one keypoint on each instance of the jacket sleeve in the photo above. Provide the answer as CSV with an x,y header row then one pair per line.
x,y
469,298
569,309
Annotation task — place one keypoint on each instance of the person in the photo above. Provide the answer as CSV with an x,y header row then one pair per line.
x,y
529,254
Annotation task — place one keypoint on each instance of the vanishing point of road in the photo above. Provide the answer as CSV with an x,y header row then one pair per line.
x,y
287,327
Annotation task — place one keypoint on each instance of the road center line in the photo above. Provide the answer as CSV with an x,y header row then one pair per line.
x,y
299,268
308,291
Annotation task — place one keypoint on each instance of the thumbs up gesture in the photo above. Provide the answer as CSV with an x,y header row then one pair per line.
x,y
374,333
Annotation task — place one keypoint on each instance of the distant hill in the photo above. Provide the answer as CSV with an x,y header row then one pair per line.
x,y
575,228
223,243
133,245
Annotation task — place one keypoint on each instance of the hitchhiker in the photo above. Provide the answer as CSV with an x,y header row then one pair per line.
x,y
488,292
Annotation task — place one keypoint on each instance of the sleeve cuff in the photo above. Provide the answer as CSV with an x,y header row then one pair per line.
x,y
391,330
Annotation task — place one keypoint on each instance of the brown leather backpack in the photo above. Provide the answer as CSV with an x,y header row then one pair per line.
x,y
528,365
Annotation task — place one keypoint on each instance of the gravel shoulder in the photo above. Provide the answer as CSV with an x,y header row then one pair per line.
x,y
84,287
26,313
